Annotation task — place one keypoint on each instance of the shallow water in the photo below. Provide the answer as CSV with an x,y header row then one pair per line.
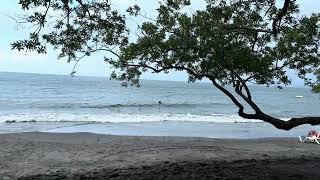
x,y
186,129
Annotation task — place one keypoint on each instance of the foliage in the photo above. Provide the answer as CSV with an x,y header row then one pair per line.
x,y
76,28
226,41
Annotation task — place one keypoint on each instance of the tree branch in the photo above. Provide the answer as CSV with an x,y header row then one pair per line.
x,y
280,16
85,9
87,54
43,19
282,124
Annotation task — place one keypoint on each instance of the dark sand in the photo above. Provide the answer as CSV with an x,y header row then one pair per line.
x,y
91,156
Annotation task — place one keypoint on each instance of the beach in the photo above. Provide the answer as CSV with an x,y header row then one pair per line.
x,y
38,155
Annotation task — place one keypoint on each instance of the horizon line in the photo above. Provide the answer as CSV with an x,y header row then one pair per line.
x,y
93,76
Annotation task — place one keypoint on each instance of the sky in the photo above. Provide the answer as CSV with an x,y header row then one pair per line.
x,y
13,61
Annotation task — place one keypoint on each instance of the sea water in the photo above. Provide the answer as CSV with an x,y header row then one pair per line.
x,y
34,102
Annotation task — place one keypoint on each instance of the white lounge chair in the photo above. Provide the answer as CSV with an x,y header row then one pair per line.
x,y
315,139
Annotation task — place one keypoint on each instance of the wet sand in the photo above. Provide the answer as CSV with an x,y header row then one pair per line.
x,y
94,156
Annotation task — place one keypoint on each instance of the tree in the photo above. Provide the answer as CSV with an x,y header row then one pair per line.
x,y
231,42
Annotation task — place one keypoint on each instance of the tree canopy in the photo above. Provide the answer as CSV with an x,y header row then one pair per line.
x,y
230,42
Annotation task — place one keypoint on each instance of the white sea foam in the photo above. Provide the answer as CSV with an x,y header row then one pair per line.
x,y
117,118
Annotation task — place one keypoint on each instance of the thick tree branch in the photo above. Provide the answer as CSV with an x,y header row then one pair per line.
x,y
259,115
283,124
248,98
280,16
155,70
226,92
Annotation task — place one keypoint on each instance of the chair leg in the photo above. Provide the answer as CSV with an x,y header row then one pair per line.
x,y
316,140
302,139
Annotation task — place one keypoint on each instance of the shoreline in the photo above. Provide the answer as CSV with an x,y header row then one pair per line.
x,y
166,128
38,155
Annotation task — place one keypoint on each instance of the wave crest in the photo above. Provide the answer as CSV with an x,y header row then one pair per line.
x,y
117,118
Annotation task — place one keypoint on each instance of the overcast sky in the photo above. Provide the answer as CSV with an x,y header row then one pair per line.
x,y
12,61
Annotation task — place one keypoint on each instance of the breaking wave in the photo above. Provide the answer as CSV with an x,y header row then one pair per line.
x,y
118,118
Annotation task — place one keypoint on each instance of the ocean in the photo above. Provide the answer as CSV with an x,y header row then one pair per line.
x,y
37,102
